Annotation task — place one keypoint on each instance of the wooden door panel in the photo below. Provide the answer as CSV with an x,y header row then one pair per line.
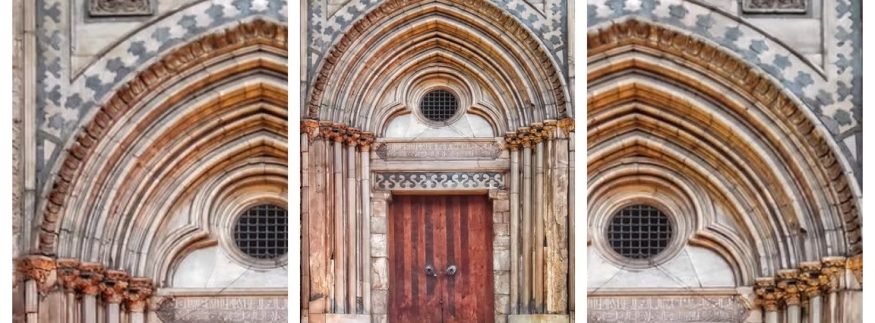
x,y
440,231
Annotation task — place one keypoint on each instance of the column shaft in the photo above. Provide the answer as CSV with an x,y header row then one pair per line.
x,y
89,309
793,313
538,245
527,225
771,317
113,313
514,229
366,229
351,228
339,255
815,304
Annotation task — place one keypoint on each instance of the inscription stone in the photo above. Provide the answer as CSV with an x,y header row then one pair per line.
x,y
775,6
230,309
691,308
109,8
438,150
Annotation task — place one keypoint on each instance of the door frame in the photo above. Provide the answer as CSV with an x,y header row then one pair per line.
x,y
380,279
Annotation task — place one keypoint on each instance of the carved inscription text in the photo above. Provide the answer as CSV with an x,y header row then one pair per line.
x,y
775,6
438,150
229,309
693,308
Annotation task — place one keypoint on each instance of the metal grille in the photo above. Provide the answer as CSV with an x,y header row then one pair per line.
x,y
263,231
439,105
639,232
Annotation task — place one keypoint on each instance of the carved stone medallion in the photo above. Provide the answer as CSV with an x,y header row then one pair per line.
x,y
110,8
775,6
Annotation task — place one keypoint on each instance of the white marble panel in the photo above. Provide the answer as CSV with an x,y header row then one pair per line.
x,y
468,126
693,267
210,267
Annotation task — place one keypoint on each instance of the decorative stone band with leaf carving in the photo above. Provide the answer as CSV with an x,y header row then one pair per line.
x,y
435,180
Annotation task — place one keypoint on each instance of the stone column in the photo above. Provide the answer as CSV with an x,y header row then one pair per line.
x,y
832,267
812,281
555,225
318,221
365,142
566,126
768,298
39,275
112,290
88,284
351,140
526,301
513,145
68,274
788,282
379,255
339,255
137,298
308,127
538,211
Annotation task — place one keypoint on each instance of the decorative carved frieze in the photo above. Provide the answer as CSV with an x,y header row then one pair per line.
x,y
113,8
537,132
40,269
437,180
336,132
812,279
113,286
230,309
768,294
439,150
775,6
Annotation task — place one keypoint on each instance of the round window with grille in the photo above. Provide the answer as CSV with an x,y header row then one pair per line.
x,y
639,232
262,231
439,105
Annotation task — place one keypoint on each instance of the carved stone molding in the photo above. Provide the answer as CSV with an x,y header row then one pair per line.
x,y
112,8
537,132
812,279
336,132
181,60
833,267
90,276
774,6
437,180
789,284
40,269
138,294
68,274
768,294
114,286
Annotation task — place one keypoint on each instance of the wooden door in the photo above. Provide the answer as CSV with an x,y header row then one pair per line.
x,y
440,231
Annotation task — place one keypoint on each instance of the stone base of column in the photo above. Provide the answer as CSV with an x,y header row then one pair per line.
x,y
538,318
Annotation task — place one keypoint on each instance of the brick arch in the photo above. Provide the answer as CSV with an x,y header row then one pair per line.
x,y
257,34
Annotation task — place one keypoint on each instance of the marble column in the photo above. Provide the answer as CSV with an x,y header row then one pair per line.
x,y
339,255
88,284
788,282
538,211
513,147
68,273
527,224
351,140
768,297
112,291
365,142
137,296
36,272
832,267
811,282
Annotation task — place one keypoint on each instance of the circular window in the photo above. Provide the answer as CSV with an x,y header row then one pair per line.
x,y
439,105
639,232
262,231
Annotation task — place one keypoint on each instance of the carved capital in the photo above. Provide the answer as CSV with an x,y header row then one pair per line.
x,y
351,137
40,269
566,125
768,296
113,286
788,282
68,274
524,138
365,141
90,276
812,278
311,128
512,142
855,265
832,267
139,292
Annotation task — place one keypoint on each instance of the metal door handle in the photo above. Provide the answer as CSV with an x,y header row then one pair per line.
x,y
451,270
429,271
